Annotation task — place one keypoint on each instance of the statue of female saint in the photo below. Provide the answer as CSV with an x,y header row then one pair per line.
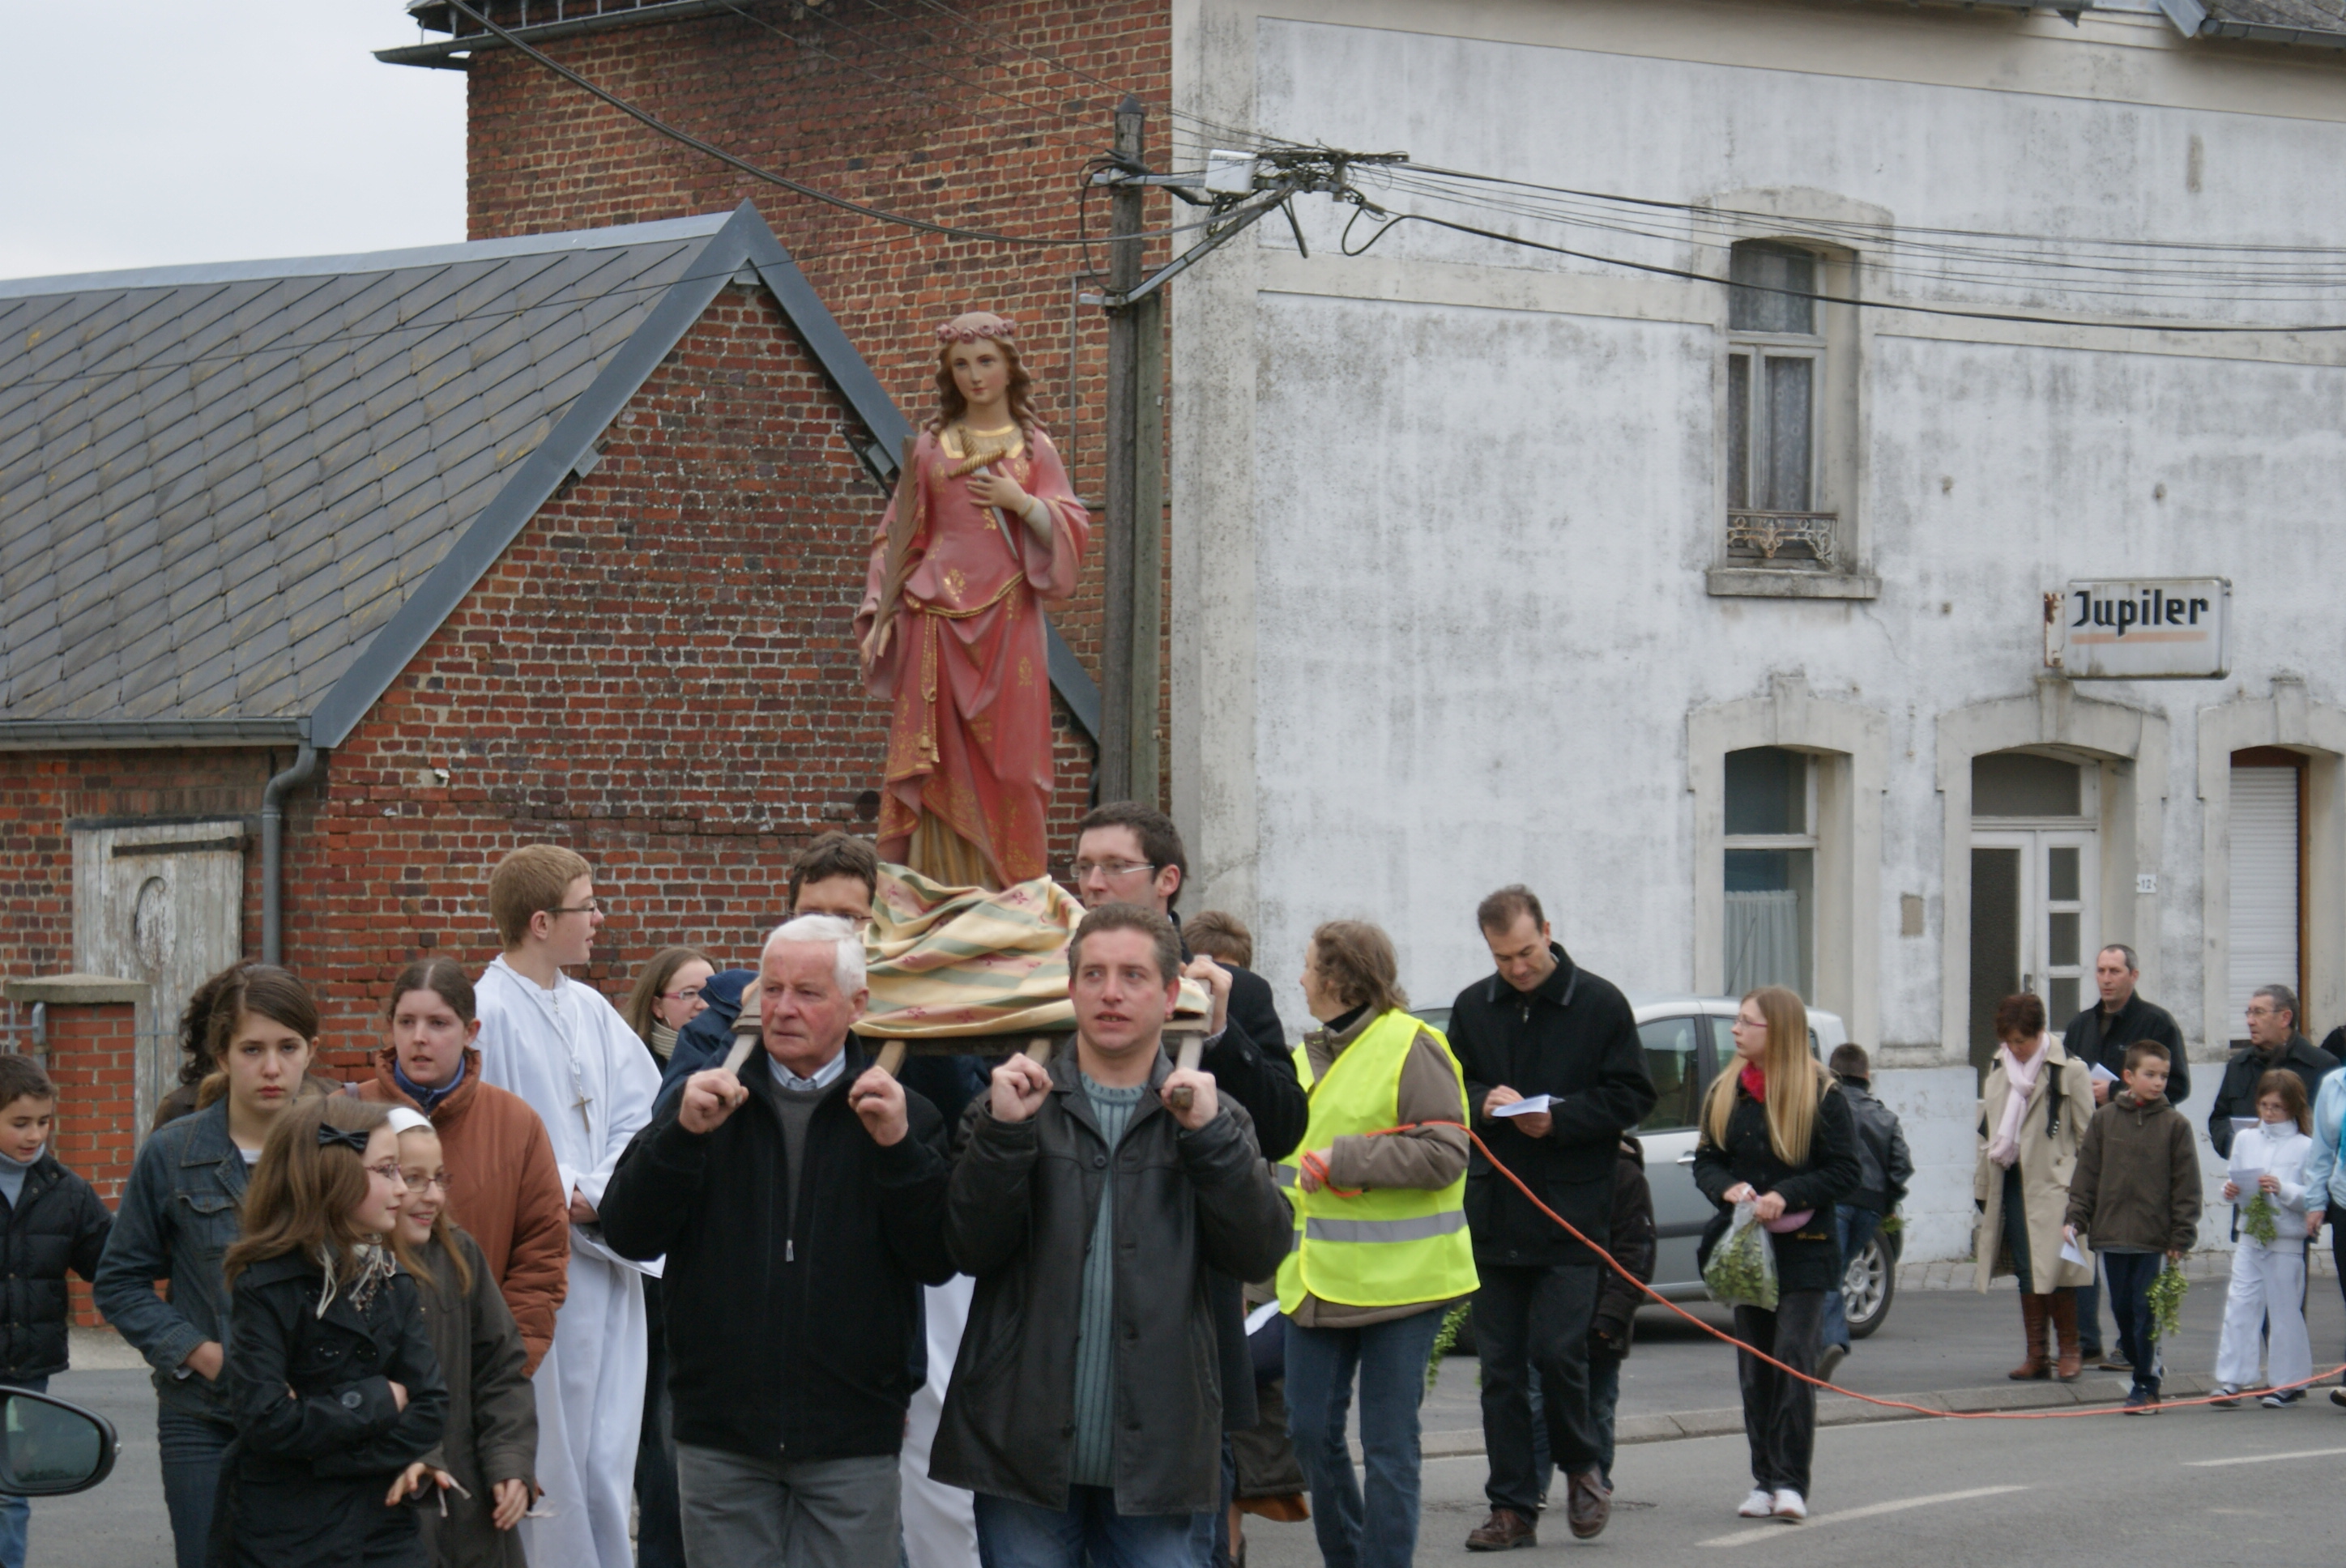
x,y
984,531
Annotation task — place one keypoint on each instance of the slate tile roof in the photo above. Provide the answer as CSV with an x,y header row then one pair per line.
x,y
216,484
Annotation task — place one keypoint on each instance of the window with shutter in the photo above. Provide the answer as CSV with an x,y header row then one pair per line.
x,y
2266,904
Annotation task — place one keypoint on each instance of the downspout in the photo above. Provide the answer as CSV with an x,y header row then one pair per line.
x,y
272,850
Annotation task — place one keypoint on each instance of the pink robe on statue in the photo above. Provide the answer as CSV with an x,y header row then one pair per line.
x,y
969,743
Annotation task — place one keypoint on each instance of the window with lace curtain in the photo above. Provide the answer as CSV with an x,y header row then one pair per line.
x,y
1776,372
1771,869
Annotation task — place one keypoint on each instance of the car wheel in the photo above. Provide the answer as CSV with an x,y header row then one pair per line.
x,y
1866,1291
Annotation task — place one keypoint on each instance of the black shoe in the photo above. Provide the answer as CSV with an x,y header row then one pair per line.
x,y
2115,1361
1834,1354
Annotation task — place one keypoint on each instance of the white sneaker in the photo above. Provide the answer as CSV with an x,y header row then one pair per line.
x,y
1759,1505
1789,1506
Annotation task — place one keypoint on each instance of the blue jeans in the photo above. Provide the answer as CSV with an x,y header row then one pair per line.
x,y
191,1449
2130,1274
1856,1228
1378,1529
1087,1533
15,1512
1603,1397
1210,1533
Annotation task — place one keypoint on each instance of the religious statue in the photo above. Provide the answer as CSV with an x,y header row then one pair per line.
x,y
985,530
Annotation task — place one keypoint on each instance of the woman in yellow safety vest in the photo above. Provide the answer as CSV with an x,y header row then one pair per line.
x,y
1380,1240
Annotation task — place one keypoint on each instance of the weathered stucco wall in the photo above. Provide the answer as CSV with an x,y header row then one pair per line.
x,y
1447,508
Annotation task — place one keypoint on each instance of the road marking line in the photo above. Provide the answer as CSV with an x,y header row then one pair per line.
x,y
2261,1458
1775,1531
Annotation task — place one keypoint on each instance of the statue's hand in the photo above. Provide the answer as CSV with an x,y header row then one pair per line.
x,y
875,642
998,490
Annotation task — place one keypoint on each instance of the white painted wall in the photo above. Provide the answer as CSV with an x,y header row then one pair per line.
x,y
1443,512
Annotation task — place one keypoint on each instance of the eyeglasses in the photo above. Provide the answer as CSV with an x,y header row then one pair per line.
x,y
418,1182
689,994
1111,869
592,906
389,1171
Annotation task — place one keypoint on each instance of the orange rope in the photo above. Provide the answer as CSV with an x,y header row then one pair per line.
x,y
1614,1264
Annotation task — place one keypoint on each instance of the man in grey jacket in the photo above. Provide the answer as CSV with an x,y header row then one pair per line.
x,y
1091,1201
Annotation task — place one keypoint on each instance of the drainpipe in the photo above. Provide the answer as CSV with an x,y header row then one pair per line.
x,y
272,850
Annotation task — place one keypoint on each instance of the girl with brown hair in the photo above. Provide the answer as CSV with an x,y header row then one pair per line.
x,y
666,997
489,1450
2266,1297
258,1029
329,1375
1777,1133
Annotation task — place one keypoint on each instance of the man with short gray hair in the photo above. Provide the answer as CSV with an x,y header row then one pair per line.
x,y
800,1206
2274,1041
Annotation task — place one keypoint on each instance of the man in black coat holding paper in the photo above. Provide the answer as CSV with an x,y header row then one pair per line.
x,y
1541,1027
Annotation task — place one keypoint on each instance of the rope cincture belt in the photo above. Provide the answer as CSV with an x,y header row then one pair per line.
x,y
1317,1170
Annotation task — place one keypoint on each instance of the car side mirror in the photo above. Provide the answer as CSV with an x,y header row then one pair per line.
x,y
49,1447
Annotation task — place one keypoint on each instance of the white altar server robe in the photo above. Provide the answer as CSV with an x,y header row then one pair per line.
x,y
570,1054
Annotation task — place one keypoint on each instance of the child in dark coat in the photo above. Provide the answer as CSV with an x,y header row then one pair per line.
x,y
53,1222
329,1368
1618,1299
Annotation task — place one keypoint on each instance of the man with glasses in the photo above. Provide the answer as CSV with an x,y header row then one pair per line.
x,y
563,1048
2273,1042
1128,854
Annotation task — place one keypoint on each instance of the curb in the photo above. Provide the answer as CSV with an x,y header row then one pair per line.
x,y
1835,1410
2207,1264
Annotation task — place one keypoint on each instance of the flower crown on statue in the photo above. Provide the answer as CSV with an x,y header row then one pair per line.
x,y
976,324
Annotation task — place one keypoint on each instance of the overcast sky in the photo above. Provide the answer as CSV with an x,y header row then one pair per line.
x,y
144,133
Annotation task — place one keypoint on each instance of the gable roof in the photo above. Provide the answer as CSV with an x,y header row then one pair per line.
x,y
236,500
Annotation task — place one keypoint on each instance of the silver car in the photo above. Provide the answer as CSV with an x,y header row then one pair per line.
x,y
1686,1041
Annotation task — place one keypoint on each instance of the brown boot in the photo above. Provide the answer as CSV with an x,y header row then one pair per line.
x,y
2033,1313
2065,1330
1504,1530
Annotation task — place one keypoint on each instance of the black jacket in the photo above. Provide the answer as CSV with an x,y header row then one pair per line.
x,y
1808,1259
803,1308
1632,1247
56,1223
1024,1198
1884,1164
2137,1020
2334,1045
2237,1095
318,1435
1572,1037
1250,1063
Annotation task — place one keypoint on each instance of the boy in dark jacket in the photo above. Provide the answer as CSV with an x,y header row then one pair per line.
x,y
1886,1168
2135,1197
1618,1299
54,1222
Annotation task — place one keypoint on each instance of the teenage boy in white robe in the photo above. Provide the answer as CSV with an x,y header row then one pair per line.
x,y
561,1046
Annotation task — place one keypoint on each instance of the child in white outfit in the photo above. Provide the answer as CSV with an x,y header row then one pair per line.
x,y
2269,1276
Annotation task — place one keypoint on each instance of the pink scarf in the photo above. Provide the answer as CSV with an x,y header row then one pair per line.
x,y
2021,1076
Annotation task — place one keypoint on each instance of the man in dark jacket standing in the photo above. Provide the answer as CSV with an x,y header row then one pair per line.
x,y
800,1207
1092,1201
1542,1028
2099,1037
2273,1042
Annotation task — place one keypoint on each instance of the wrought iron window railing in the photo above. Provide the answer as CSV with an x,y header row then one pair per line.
x,y
1766,533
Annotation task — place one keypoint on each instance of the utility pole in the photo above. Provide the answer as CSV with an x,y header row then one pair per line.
x,y
1118,720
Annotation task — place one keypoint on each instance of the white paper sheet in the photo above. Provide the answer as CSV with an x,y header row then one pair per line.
x,y
2072,1253
1532,1106
2102,1075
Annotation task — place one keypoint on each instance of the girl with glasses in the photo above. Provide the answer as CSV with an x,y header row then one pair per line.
x,y
489,1450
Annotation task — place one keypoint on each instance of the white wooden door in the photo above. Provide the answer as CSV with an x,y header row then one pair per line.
x,y
2042,916
162,902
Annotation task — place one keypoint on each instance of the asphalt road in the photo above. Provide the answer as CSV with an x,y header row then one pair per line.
x,y
1675,1496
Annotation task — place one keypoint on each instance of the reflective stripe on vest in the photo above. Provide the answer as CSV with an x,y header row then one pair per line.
x,y
1388,1247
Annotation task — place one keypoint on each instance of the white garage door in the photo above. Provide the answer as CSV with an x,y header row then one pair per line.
x,y
2264,886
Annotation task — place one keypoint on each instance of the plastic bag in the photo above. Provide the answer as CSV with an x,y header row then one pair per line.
x,y
1742,1267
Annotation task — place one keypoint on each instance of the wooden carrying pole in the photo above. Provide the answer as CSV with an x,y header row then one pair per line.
x,y
1118,566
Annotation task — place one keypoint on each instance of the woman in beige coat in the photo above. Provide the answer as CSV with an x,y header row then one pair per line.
x,y
2032,1116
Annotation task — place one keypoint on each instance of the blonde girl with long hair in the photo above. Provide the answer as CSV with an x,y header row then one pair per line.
x,y
330,1376
1777,1135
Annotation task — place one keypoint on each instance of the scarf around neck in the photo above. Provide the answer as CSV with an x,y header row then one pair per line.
x,y
1754,1082
2021,1077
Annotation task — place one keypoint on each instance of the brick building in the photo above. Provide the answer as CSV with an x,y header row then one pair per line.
x,y
551,537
